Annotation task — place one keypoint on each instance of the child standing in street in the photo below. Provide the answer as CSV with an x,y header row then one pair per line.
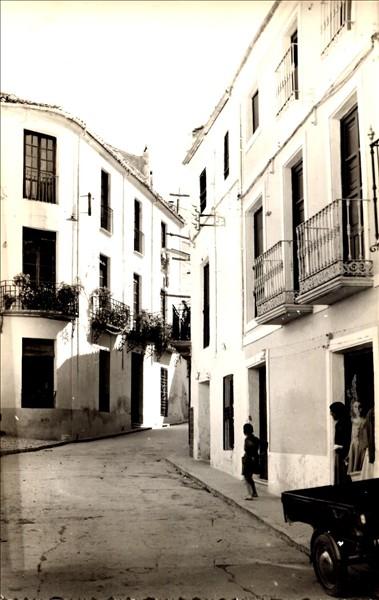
x,y
250,460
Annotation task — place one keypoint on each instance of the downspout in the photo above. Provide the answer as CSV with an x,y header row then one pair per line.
x,y
77,272
241,231
215,250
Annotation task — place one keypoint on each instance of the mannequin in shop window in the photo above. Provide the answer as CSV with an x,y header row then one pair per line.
x,y
342,436
359,438
369,457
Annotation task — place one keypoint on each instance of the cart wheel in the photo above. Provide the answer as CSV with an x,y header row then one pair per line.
x,y
330,569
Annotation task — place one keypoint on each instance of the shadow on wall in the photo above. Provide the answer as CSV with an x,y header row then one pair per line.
x,y
90,396
89,399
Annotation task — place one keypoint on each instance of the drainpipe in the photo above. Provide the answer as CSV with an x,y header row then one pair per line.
x,y
215,250
241,229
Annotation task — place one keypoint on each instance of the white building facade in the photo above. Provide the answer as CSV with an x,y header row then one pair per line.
x,y
287,262
87,248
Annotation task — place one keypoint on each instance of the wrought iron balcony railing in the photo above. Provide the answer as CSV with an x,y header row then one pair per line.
x,y
108,314
181,324
40,185
139,239
335,16
331,244
273,281
287,78
106,218
59,299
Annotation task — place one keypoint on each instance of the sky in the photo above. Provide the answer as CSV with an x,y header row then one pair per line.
x,y
139,73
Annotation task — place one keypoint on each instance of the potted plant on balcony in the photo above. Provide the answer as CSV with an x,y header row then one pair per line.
x,y
107,315
149,329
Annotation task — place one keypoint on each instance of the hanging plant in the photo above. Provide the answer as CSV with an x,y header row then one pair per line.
x,y
107,315
148,329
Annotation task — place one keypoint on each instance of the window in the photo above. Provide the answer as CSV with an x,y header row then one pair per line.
x,y
297,215
136,294
105,210
38,255
138,235
104,271
228,410
104,380
255,111
163,305
164,392
203,190
258,240
39,167
287,73
206,305
37,373
226,155
336,14
163,234
352,215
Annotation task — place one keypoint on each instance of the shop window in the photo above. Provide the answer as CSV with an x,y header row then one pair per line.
x,y
104,380
359,399
228,410
38,255
37,373
164,392
39,167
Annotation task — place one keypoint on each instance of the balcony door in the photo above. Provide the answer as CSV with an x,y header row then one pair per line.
x,y
297,215
38,255
352,216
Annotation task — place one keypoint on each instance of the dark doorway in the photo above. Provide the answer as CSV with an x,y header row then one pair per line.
x,y
37,373
104,381
263,434
137,389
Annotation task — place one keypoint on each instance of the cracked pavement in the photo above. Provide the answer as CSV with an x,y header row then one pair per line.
x,y
113,518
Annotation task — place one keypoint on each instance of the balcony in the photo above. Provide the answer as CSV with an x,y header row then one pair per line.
x,y
106,218
56,301
181,330
335,17
287,78
40,185
108,315
332,258
274,286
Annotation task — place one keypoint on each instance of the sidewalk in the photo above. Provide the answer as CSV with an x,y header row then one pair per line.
x,y
266,508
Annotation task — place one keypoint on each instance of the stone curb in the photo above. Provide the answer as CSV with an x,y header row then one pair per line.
x,y
65,442
242,507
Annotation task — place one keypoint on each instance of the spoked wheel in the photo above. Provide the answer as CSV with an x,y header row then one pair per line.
x,y
330,569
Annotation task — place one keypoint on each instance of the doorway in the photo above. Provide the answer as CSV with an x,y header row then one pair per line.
x,y
137,389
258,412
204,443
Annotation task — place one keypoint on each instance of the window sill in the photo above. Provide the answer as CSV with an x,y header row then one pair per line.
x,y
252,139
106,231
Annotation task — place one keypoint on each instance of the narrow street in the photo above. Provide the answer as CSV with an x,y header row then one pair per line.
x,y
113,518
